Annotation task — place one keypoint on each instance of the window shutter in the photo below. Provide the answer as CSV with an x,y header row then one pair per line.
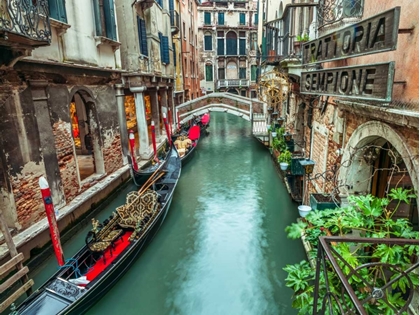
x,y
242,73
57,10
220,46
207,18
141,28
256,18
208,42
209,73
174,50
231,46
111,29
242,18
161,46
165,53
221,18
253,73
171,5
96,12
160,3
242,46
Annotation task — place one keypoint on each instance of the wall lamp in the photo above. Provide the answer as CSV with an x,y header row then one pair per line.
x,y
308,165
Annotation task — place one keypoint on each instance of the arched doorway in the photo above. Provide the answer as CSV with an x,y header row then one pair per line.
x,y
377,159
85,134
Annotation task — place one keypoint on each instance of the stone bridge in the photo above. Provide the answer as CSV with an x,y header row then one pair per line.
x,y
248,109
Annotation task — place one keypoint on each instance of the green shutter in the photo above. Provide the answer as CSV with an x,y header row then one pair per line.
x,y
242,18
209,73
98,24
220,46
57,10
207,18
221,19
242,73
109,13
242,46
253,73
208,42
231,46
256,18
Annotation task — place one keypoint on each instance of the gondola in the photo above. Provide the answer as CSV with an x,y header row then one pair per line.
x,y
110,250
186,142
141,175
204,122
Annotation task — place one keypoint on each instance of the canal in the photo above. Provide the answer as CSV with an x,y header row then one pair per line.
x,y
222,247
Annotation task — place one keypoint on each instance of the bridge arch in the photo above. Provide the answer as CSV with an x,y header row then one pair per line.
x,y
241,106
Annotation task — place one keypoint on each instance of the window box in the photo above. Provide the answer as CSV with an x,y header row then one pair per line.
x,y
323,201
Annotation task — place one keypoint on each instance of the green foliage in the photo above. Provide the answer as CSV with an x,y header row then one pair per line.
x,y
303,38
278,142
285,157
371,217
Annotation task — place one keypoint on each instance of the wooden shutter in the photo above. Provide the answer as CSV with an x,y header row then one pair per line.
x,y
253,73
242,18
171,5
256,18
220,46
208,42
57,10
221,19
165,52
242,46
174,50
97,13
141,29
209,73
109,13
207,18
242,73
231,46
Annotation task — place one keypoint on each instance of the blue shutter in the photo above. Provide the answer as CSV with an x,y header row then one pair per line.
x,y
57,10
256,18
165,53
221,18
208,42
161,46
231,46
207,18
242,46
141,28
96,12
160,3
242,18
171,5
111,28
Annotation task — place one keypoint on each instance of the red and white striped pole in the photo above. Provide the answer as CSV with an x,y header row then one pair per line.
x,y
168,133
52,222
154,139
133,157
170,117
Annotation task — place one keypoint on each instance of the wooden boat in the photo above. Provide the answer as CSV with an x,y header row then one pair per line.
x,y
110,250
141,175
186,142
204,122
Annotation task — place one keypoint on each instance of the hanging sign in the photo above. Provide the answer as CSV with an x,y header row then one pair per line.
x,y
370,82
376,34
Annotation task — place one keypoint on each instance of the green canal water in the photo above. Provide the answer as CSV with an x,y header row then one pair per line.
x,y
222,247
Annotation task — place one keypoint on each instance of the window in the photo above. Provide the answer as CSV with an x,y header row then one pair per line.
x,y
105,19
209,73
256,18
160,3
208,41
207,18
57,9
254,41
253,73
221,18
241,18
183,30
220,46
243,93
242,73
141,30
164,48
242,46
174,52
231,44
253,94
221,73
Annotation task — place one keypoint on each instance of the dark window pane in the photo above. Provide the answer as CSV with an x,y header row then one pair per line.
x,y
220,34
242,73
221,73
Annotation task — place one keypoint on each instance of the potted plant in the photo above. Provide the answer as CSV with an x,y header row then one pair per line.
x,y
324,201
284,159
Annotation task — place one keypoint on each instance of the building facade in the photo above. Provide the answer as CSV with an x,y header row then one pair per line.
x,y
228,46
360,144
59,109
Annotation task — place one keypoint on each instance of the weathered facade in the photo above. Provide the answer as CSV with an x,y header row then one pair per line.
x,y
360,143
228,46
58,108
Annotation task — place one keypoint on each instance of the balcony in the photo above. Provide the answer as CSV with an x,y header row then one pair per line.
x,y
174,16
24,26
224,83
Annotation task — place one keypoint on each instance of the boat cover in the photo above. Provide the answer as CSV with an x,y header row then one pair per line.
x,y
194,132
205,119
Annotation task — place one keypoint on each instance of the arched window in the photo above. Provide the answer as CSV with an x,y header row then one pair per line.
x,y
231,44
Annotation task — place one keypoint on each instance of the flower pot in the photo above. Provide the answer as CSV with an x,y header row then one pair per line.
x,y
274,134
304,210
284,166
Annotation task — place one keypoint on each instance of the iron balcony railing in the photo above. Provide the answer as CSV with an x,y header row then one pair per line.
x,y
332,11
25,18
174,16
226,83
328,262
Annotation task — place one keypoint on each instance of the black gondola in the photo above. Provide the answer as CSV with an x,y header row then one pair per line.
x,y
141,175
186,142
110,249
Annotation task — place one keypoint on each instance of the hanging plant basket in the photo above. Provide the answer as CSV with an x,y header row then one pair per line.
x,y
304,210
274,134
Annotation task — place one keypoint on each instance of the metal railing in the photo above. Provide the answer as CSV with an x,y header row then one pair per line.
x,y
232,83
25,17
331,11
329,261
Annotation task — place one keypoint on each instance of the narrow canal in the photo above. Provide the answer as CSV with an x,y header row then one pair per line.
x,y
222,247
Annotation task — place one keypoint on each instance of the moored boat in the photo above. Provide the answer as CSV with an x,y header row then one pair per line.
x,y
186,142
204,121
141,175
110,250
